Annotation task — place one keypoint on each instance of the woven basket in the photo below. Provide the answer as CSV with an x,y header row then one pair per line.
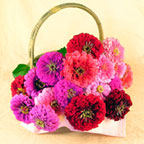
x,y
107,127
80,87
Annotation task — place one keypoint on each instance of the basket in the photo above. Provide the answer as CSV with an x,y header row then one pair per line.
x,y
107,108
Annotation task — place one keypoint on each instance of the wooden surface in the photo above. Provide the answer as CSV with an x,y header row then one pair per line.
x,y
122,19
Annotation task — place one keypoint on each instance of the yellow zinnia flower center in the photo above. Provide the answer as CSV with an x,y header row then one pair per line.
x,y
54,104
100,89
24,109
116,51
80,70
40,123
71,93
21,90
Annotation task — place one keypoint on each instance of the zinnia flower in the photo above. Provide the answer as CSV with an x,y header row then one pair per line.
x,y
106,70
113,50
116,83
120,69
47,97
127,78
49,66
85,42
32,83
21,107
80,68
117,104
44,117
17,86
98,89
85,112
65,90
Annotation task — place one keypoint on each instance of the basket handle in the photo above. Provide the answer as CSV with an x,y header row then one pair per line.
x,y
53,11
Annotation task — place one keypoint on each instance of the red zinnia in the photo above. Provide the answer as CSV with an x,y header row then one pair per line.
x,y
117,104
127,78
85,42
85,112
80,68
17,86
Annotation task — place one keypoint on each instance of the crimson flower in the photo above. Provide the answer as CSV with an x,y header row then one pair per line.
x,y
117,104
17,86
85,112
85,42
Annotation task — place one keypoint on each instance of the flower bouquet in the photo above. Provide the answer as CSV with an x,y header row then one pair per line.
x,y
80,86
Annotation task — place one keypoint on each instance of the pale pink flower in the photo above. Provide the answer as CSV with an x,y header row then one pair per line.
x,y
106,70
45,97
98,89
113,50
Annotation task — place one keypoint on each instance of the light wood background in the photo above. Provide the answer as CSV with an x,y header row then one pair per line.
x,y
122,19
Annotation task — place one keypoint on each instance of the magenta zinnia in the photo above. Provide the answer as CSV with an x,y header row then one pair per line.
x,y
44,117
65,90
116,83
49,66
21,107
33,84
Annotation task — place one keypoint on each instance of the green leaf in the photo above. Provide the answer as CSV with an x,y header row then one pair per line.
x,y
63,51
21,69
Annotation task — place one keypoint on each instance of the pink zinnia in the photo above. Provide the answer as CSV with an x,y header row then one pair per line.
x,y
120,69
98,89
80,68
127,78
47,98
113,50
106,69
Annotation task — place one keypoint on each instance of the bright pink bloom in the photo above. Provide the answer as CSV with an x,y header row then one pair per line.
x,y
113,50
116,83
44,117
106,69
80,68
98,89
127,78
